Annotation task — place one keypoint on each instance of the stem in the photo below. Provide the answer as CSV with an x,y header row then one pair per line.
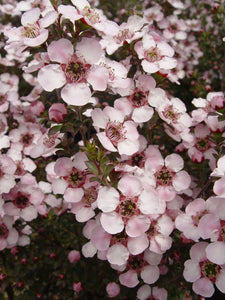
x,y
10,292
81,127
204,187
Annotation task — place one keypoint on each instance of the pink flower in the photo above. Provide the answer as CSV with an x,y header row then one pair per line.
x,y
7,171
113,289
77,287
57,112
136,103
123,210
146,292
8,235
24,201
118,135
202,272
33,31
166,175
74,70
74,256
155,53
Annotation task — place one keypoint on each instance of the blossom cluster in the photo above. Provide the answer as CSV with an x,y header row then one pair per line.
x,y
99,135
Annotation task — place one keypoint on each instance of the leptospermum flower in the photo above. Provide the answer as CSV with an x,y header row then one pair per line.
x,y
144,265
8,235
136,103
24,200
202,272
118,135
124,210
146,292
7,173
166,175
74,70
33,31
155,53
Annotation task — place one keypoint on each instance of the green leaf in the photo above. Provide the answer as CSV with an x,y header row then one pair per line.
x,y
107,170
92,167
53,130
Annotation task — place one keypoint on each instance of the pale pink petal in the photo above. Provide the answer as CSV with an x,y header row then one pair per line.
x,y
181,181
192,270
219,187
100,119
129,279
159,293
220,280
98,78
144,292
63,166
51,77
208,226
90,49
137,225
150,67
105,141
129,185
118,254
100,238
215,252
76,94
69,12
30,16
59,186
29,213
60,51
166,193
174,162
40,39
112,222
197,251
88,250
142,114
138,244
73,195
128,147
150,203
150,274
84,214
203,287
48,19
167,63
108,199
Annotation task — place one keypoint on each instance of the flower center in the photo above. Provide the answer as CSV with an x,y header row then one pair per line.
x,y
136,262
164,176
91,14
90,196
115,132
170,114
31,31
4,232
202,144
2,126
27,139
3,99
138,99
138,160
153,55
21,201
76,178
209,270
127,208
75,71
123,35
